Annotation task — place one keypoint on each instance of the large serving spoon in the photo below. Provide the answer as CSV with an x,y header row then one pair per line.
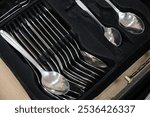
x,y
129,21
52,82
111,33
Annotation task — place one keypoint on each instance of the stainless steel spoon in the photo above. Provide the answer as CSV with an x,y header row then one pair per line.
x,y
52,82
129,21
14,9
34,30
111,34
77,48
93,60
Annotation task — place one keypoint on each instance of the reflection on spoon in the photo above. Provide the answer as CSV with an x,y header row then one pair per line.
x,y
93,60
111,34
51,81
129,21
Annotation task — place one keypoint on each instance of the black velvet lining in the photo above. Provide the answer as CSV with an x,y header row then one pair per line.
x,y
91,39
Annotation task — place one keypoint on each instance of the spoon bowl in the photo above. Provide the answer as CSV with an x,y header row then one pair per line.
x,y
110,33
131,23
113,35
93,60
54,82
51,81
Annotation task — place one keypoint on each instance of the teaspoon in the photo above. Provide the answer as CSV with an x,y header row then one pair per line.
x,y
111,34
89,58
129,21
93,60
52,81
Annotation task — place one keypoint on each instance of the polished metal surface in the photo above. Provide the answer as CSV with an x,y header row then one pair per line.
x,y
147,97
41,33
111,34
52,81
77,48
129,21
93,60
54,53
14,9
140,72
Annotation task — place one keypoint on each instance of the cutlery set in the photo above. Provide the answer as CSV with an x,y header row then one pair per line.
x,y
17,5
63,66
128,21
65,70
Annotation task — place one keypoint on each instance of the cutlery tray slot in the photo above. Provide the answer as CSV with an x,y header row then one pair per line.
x,y
10,7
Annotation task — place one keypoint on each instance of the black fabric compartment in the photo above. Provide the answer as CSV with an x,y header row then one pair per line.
x,y
91,39
21,70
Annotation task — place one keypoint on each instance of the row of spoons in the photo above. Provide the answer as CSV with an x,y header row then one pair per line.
x,y
15,5
127,20
52,81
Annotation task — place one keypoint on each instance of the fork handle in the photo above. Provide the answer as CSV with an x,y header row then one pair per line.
x,y
20,49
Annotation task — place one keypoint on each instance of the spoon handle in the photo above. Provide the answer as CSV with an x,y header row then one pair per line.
x,y
83,7
20,49
113,6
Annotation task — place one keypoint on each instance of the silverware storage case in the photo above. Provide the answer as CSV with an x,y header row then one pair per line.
x,y
64,23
